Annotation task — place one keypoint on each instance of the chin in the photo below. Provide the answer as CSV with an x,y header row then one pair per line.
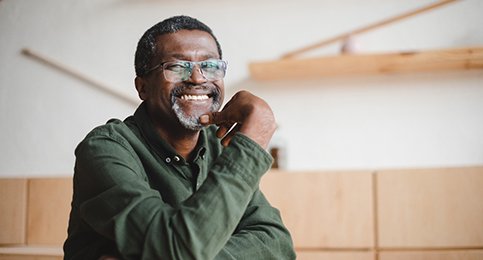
x,y
191,120
190,125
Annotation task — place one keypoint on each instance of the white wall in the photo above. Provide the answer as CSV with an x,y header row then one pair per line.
x,y
411,120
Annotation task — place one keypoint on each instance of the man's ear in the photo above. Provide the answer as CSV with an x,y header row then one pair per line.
x,y
141,87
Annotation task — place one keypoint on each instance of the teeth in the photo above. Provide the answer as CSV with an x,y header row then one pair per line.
x,y
194,97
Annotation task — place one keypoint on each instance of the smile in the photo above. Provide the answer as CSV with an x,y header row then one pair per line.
x,y
194,97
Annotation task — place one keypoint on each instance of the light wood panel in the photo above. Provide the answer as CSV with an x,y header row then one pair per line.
x,y
430,208
48,207
334,255
13,205
433,255
324,210
31,253
29,257
367,64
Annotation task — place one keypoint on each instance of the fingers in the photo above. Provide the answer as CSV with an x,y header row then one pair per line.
x,y
225,126
245,113
227,138
223,130
216,118
219,118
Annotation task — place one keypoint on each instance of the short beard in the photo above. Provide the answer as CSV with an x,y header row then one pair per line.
x,y
192,122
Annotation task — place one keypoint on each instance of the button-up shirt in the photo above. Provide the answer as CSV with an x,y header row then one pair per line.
x,y
135,197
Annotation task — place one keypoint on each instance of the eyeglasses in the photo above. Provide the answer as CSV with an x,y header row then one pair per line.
x,y
177,71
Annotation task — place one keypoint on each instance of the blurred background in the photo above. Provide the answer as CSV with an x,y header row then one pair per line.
x,y
388,162
402,120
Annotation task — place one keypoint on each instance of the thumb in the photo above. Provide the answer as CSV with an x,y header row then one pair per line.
x,y
205,119
216,118
212,118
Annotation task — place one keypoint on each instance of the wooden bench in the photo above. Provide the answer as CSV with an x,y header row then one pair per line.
x,y
385,215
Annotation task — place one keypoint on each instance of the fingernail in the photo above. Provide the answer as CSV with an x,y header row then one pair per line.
x,y
204,119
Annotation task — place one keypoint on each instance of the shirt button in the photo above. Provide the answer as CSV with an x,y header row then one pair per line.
x,y
176,158
168,160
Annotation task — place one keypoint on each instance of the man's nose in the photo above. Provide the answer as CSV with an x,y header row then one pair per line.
x,y
197,76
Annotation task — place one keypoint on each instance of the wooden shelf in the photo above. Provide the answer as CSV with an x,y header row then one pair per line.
x,y
367,64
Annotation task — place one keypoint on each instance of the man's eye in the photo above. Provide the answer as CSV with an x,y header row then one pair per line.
x,y
210,65
176,67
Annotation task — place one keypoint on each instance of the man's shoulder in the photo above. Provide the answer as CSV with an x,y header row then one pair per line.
x,y
116,130
115,135
112,127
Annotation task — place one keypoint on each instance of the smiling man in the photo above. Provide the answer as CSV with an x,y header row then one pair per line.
x,y
178,179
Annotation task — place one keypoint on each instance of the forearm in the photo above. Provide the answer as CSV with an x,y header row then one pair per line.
x,y
258,245
260,234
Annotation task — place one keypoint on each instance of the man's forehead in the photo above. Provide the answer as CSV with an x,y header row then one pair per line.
x,y
187,43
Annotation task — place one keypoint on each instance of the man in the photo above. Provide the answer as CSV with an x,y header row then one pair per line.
x,y
167,183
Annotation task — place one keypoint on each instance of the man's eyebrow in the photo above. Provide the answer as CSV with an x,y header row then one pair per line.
x,y
177,56
180,56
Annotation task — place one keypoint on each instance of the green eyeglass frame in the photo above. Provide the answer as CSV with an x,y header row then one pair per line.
x,y
181,70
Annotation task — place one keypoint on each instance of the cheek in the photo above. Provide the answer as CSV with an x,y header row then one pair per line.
x,y
221,87
161,91
164,95
222,93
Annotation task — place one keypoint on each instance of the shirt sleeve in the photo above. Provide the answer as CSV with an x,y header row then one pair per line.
x,y
259,235
117,202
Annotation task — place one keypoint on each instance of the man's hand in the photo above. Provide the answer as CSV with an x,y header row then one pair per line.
x,y
244,113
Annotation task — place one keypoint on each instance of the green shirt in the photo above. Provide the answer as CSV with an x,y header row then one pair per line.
x,y
136,198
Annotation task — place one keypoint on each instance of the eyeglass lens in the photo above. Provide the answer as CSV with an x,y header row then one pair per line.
x,y
181,70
